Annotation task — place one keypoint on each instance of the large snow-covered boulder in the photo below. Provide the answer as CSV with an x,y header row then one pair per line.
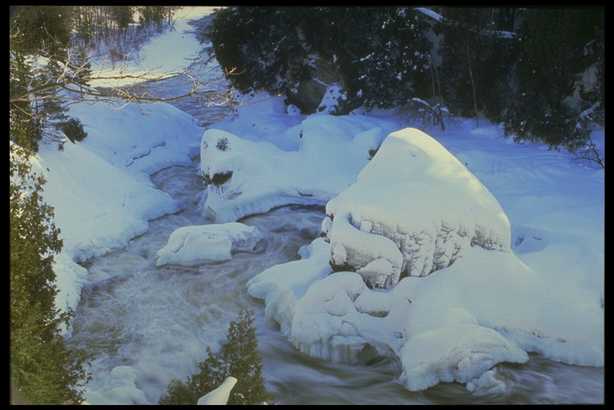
x,y
194,245
415,209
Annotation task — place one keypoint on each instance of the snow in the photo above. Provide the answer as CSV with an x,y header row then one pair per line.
x,y
503,243
220,395
487,384
314,158
458,352
490,305
100,187
428,211
164,55
195,245
282,284
333,96
121,388
430,13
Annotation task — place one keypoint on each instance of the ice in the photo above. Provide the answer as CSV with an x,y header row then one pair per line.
x,y
195,245
428,211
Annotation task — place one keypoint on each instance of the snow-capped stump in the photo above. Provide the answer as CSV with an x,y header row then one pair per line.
x,y
415,207
194,245
220,395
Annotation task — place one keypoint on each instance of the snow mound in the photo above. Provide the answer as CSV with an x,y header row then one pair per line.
x,y
220,395
194,245
487,384
458,353
415,209
305,164
453,325
282,284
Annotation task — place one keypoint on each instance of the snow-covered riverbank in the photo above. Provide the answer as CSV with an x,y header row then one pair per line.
x,y
148,324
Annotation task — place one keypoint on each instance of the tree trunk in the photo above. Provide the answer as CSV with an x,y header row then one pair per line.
x,y
475,99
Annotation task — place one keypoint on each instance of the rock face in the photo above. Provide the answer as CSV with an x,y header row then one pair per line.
x,y
414,209
194,245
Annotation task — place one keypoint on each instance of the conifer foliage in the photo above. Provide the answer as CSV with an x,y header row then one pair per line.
x,y
43,369
554,54
238,357
539,71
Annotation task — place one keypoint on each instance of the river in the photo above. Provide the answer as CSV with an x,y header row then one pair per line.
x,y
159,320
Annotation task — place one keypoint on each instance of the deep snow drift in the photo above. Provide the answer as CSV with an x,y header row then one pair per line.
x,y
194,245
414,208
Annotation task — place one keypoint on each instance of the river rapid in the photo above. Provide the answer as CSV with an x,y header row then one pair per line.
x,y
158,321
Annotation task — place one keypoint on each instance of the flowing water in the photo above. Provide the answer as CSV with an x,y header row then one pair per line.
x,y
159,320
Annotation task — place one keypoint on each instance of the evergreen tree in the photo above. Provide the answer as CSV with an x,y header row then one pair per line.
x,y
24,124
238,357
122,15
243,361
388,58
476,60
36,32
545,105
43,369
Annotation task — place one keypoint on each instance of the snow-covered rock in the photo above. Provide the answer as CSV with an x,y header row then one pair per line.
x,y
415,209
459,352
305,164
282,284
220,395
194,245
486,384
453,325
